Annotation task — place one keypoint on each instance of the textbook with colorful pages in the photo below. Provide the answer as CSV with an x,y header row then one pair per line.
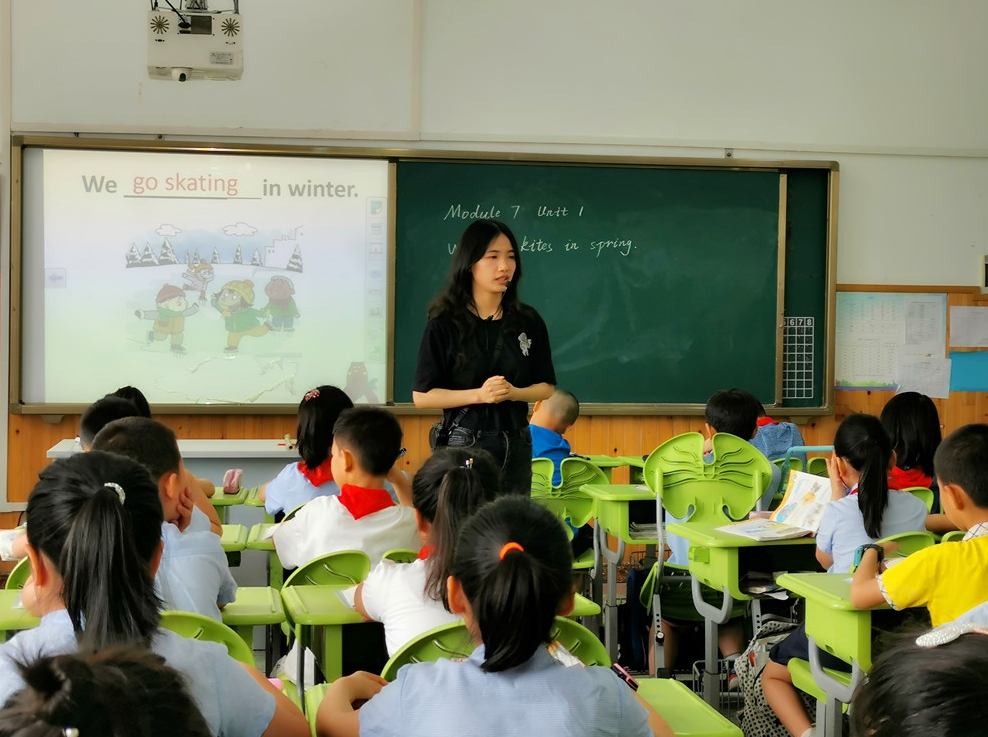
x,y
799,513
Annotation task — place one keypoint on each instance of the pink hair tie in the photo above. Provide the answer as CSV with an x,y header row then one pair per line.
x,y
310,395
508,547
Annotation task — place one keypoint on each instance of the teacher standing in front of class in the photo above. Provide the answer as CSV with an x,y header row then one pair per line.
x,y
485,355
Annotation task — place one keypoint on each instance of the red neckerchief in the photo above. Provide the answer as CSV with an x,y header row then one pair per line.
x,y
426,551
360,502
853,491
904,478
320,474
763,421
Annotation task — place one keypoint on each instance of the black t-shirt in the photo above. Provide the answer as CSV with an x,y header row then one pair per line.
x,y
525,359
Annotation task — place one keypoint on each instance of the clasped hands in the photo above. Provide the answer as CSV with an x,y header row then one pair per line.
x,y
496,389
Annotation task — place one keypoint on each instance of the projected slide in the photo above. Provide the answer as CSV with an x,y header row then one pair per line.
x,y
203,279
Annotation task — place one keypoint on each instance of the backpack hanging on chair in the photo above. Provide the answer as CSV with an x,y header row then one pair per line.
x,y
757,717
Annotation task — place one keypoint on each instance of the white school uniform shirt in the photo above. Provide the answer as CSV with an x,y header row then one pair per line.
x,y
356,519
541,696
194,575
231,701
394,594
842,529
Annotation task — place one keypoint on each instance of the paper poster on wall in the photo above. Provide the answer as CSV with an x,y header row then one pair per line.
x,y
969,327
204,279
877,332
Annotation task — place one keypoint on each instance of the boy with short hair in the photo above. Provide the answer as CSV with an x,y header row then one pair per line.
x,y
193,575
366,446
951,578
551,418
102,412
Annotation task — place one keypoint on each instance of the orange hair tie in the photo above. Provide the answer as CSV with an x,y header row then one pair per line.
x,y
508,547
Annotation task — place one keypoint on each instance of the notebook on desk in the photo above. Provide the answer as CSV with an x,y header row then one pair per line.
x,y
799,513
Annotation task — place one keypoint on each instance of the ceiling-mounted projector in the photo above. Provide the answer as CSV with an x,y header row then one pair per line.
x,y
192,42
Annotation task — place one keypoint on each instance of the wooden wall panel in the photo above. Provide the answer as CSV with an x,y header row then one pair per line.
x,y
29,436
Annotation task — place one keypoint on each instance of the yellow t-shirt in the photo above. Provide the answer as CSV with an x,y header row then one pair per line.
x,y
948,579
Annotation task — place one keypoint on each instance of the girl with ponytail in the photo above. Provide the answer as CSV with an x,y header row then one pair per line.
x,y
511,575
863,510
94,544
410,598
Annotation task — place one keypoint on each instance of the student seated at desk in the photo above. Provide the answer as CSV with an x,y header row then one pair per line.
x,y
110,408
94,542
861,461
551,418
511,575
410,598
774,438
934,684
120,691
913,425
733,411
302,481
363,516
950,578
193,575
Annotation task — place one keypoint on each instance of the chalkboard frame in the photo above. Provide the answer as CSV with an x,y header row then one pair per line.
x,y
829,168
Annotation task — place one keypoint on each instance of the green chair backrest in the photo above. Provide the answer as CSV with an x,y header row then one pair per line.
x,y
454,641
817,465
910,542
449,641
923,493
576,472
19,575
340,570
542,470
401,555
199,627
954,536
708,493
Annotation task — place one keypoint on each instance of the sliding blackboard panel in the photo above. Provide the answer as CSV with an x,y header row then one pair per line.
x,y
658,285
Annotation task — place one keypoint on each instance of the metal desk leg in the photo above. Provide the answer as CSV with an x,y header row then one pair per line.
x,y
613,557
712,617
829,713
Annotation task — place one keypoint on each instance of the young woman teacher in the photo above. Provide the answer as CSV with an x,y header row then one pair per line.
x,y
485,355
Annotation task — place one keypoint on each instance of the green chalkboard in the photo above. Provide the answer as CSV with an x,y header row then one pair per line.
x,y
658,285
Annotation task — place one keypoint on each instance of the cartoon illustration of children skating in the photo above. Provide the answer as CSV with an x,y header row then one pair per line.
x,y
199,277
169,318
281,304
235,302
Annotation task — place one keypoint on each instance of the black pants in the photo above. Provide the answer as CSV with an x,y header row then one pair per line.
x,y
512,451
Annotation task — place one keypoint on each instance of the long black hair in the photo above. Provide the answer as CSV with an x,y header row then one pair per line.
x,y
124,692
915,691
317,413
862,442
913,426
100,544
514,594
451,485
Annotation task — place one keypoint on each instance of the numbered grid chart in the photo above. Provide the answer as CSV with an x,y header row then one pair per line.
x,y
797,358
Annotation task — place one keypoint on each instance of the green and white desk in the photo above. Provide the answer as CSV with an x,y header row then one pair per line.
x,y
612,510
719,560
685,713
836,626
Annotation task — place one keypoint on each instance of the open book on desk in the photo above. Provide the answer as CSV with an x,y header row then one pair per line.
x,y
799,513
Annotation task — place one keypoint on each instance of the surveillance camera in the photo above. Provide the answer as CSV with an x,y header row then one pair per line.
x,y
181,74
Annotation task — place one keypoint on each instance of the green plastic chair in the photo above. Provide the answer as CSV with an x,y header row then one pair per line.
x,y
954,536
401,555
333,571
817,465
542,470
19,575
839,686
910,542
199,627
923,493
716,493
453,641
